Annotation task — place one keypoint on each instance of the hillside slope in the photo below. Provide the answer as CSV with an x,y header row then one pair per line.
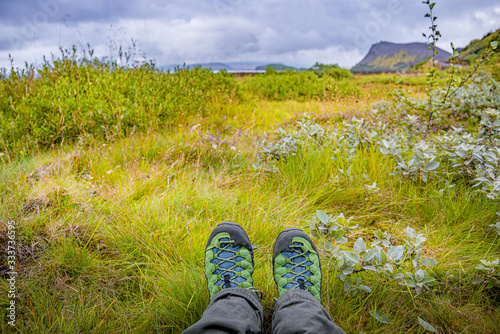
x,y
477,47
276,67
394,57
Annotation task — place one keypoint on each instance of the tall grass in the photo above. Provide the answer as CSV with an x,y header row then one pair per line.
x,y
71,99
113,226
122,234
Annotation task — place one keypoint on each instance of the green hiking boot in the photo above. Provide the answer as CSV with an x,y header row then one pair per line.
x,y
296,263
228,259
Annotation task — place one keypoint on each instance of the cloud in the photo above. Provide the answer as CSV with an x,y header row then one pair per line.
x,y
296,32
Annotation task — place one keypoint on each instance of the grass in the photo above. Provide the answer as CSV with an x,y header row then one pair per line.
x,y
111,233
72,99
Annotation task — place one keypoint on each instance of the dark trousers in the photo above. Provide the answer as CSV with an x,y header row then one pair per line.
x,y
238,310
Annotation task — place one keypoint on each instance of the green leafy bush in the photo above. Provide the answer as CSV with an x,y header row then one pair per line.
x,y
454,155
333,71
384,258
488,273
73,98
286,85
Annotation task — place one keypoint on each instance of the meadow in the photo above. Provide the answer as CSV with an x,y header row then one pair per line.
x,y
114,178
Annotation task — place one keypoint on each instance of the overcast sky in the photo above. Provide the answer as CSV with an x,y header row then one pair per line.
x,y
293,32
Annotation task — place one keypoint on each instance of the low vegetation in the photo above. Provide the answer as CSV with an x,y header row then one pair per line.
x,y
115,176
476,48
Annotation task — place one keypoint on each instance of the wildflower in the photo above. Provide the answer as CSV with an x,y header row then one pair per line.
x,y
194,127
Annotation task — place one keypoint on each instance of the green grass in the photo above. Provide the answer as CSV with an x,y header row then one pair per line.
x,y
81,100
112,230
123,251
473,51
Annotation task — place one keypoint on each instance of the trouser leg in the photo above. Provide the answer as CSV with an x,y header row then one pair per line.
x,y
232,310
297,311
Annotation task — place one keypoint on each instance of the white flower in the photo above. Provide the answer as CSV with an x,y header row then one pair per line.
x,y
194,127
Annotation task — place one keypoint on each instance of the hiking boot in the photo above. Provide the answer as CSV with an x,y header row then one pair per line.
x,y
228,259
296,263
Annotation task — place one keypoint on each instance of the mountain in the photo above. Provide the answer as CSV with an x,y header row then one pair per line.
x,y
276,67
213,66
234,67
478,46
472,51
245,66
393,57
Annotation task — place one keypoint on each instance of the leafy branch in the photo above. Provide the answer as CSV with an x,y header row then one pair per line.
x,y
432,39
453,84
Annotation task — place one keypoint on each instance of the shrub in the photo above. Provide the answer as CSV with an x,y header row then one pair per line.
x,y
286,85
71,98
333,71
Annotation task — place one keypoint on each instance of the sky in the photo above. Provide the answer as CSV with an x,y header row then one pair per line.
x,y
292,32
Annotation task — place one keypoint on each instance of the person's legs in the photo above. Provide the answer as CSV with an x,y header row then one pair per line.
x,y
297,311
235,306
297,272
234,310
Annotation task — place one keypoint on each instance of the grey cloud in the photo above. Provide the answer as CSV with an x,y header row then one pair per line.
x,y
295,31
5,44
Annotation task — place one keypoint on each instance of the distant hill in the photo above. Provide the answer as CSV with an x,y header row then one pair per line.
x,y
393,57
476,47
234,67
245,65
276,67
213,66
